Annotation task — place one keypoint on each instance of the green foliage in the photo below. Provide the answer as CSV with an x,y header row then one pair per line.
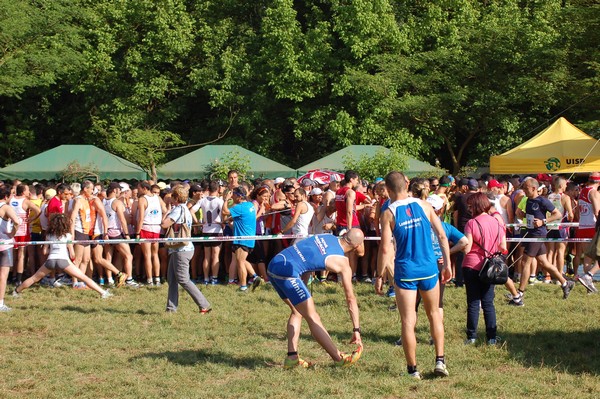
x,y
455,80
219,168
144,147
75,172
378,165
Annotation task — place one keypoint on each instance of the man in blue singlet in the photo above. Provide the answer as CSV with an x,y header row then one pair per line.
x,y
317,253
409,221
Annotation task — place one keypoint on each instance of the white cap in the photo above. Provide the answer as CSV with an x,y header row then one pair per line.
x,y
124,186
316,191
279,180
436,201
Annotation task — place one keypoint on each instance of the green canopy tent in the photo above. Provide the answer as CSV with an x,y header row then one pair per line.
x,y
196,164
50,165
336,160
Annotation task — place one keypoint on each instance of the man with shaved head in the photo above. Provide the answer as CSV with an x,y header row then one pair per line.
x,y
409,222
317,253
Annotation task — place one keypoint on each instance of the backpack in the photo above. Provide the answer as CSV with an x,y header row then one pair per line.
x,y
178,230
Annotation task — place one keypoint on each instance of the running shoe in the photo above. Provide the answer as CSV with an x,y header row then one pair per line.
x,y
256,282
15,294
547,280
289,364
243,289
533,281
157,282
57,283
214,281
131,283
121,279
416,375
205,311
391,293
587,281
101,281
107,294
494,341
518,302
440,369
567,288
80,285
348,360
399,342
65,280
470,341
5,308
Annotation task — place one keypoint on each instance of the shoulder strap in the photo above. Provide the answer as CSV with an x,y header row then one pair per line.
x,y
488,253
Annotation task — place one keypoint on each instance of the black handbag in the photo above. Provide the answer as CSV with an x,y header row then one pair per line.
x,y
495,269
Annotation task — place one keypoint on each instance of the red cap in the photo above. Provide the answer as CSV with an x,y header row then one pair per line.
x,y
495,184
544,177
595,177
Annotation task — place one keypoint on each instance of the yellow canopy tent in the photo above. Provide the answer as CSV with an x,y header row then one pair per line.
x,y
560,148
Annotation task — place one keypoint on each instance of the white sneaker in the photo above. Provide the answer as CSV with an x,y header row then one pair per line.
x,y
5,308
587,281
15,294
416,375
440,369
107,294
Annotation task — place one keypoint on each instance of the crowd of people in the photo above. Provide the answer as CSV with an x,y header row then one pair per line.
x,y
433,232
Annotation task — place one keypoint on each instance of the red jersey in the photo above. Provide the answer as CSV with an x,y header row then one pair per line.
x,y
55,205
340,207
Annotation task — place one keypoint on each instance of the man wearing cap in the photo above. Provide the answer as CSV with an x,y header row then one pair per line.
x,y
244,224
307,185
462,215
588,207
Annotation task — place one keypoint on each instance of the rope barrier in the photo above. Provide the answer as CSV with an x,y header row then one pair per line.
x,y
244,238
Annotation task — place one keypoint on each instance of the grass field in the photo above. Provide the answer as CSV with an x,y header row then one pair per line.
x,y
63,343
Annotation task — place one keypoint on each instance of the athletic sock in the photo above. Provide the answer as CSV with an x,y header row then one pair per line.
x,y
2,303
589,274
440,359
19,276
411,369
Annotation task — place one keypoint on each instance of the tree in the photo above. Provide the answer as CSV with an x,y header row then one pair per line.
x,y
219,168
378,165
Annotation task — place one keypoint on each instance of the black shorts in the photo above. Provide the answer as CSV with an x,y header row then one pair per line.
x,y
80,236
534,249
560,233
235,247
211,244
258,254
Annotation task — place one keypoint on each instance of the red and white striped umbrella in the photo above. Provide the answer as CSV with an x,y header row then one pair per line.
x,y
321,176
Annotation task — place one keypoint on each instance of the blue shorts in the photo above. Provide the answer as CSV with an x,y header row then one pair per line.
x,y
426,284
292,288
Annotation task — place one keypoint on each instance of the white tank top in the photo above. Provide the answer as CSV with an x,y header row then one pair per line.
x,y
44,217
555,198
211,214
303,221
17,205
152,215
98,223
59,251
501,211
6,226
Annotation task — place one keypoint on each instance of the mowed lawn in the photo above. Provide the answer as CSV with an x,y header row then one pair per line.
x,y
62,343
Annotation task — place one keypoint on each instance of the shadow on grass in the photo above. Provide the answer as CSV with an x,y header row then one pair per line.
x,y
197,357
566,351
78,309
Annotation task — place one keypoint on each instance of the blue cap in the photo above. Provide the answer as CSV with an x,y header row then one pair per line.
x,y
377,180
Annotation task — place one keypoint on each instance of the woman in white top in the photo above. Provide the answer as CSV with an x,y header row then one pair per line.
x,y
303,214
60,257
178,273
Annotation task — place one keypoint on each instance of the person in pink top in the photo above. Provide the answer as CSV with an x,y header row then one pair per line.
x,y
485,234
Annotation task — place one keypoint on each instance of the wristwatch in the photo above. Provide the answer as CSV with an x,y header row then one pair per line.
x,y
544,222
357,329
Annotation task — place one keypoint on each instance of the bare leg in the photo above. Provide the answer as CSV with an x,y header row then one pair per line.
x,y
147,252
406,301
40,274
431,300
318,331
74,272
